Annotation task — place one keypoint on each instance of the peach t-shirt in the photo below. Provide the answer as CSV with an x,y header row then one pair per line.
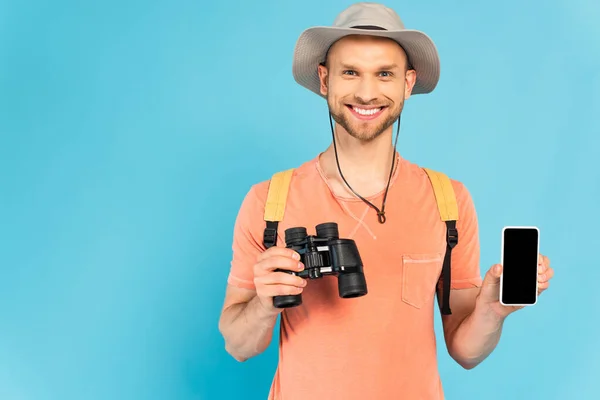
x,y
381,345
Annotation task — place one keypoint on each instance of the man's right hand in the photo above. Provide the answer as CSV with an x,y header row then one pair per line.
x,y
270,283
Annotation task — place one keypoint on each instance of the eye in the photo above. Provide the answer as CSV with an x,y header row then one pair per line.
x,y
389,74
348,72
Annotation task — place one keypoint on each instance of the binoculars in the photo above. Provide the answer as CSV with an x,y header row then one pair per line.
x,y
325,254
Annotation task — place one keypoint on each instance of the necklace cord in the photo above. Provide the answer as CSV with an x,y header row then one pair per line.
x,y
380,213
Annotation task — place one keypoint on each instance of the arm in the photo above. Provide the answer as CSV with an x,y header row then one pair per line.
x,y
471,333
248,314
473,330
245,324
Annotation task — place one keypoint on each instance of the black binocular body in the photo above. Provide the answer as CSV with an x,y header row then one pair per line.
x,y
322,255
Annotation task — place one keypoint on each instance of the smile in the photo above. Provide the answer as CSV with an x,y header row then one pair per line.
x,y
366,113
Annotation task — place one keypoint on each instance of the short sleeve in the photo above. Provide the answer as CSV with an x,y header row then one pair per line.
x,y
465,269
247,240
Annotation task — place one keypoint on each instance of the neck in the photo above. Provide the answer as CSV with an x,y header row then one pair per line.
x,y
365,164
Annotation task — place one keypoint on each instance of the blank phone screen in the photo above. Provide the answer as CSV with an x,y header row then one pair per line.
x,y
520,263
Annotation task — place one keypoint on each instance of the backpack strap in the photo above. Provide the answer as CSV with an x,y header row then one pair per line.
x,y
275,205
448,208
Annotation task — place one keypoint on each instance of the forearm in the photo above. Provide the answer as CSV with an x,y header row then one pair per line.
x,y
476,337
247,329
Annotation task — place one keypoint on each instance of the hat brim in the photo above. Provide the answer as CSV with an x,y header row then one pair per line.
x,y
313,44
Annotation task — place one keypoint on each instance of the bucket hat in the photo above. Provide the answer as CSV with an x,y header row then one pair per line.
x,y
371,19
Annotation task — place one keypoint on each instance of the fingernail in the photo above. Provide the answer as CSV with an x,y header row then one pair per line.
x,y
300,266
296,256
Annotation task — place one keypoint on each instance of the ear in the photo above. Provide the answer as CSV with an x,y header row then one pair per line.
x,y
323,79
409,82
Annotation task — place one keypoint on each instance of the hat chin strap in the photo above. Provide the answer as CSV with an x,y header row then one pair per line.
x,y
380,213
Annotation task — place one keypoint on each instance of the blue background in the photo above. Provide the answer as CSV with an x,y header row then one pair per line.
x,y
131,130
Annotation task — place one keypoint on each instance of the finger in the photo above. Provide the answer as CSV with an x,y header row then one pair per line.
x,y
280,278
278,251
279,290
543,286
278,262
546,276
546,261
543,263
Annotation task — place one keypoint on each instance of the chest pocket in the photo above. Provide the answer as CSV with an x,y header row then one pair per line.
x,y
420,275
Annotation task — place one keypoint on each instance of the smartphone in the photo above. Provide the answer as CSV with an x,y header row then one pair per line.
x,y
520,256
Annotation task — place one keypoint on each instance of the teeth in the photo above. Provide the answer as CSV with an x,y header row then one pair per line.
x,y
366,112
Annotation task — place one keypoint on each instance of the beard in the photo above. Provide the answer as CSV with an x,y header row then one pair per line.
x,y
364,131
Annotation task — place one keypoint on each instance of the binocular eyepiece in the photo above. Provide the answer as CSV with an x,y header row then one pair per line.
x,y
325,254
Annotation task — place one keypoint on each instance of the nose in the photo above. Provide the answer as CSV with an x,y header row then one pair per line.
x,y
366,91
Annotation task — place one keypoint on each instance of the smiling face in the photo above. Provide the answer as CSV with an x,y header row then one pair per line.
x,y
366,81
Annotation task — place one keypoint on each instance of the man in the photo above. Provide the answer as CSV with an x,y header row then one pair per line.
x,y
382,345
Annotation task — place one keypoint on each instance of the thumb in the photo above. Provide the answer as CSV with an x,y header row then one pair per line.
x,y
490,289
492,277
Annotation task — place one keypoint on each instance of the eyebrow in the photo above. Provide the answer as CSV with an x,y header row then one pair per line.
x,y
390,66
382,68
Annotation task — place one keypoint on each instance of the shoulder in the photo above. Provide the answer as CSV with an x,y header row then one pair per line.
x,y
300,175
433,177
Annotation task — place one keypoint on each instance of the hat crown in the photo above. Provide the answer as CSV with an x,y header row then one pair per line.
x,y
369,14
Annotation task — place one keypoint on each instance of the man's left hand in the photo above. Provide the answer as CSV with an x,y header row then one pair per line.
x,y
489,295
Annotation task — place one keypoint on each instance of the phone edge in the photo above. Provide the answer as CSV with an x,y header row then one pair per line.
x,y
502,263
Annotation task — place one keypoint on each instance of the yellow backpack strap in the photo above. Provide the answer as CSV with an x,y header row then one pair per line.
x,y
448,209
275,205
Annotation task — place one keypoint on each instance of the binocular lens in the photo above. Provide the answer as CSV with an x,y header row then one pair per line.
x,y
328,230
287,301
352,285
295,234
